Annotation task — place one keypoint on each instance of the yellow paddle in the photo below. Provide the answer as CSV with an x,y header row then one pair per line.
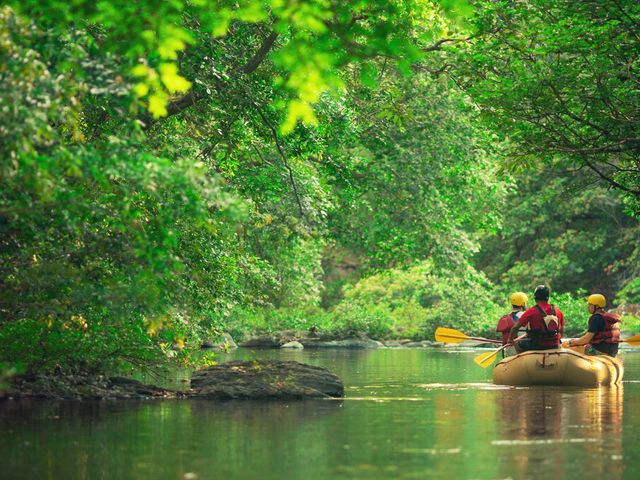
x,y
487,358
635,340
449,335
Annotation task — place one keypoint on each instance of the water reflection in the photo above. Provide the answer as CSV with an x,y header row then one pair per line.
x,y
408,414
541,431
156,439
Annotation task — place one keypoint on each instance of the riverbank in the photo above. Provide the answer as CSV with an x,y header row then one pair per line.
x,y
301,339
404,324
266,379
309,339
244,380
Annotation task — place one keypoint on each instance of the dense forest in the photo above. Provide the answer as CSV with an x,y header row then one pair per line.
x,y
172,170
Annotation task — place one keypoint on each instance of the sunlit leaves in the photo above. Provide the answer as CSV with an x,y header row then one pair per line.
x,y
171,41
298,110
173,82
159,84
158,105
318,38
159,229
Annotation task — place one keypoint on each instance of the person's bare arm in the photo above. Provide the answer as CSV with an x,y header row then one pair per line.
x,y
514,332
583,340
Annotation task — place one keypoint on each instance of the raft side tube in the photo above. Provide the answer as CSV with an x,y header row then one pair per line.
x,y
558,367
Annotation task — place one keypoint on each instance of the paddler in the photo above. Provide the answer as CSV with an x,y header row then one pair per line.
x,y
544,323
506,323
603,333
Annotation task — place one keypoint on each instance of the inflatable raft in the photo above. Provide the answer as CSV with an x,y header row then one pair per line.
x,y
558,367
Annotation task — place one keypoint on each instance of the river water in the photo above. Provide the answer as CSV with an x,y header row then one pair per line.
x,y
408,413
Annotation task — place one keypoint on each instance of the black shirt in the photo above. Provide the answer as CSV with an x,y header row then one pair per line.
x,y
596,325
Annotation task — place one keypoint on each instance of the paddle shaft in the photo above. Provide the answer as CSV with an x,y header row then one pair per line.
x,y
486,359
634,340
449,335
478,339
487,340
508,344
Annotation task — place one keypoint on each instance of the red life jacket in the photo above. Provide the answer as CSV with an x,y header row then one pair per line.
x,y
611,333
549,334
505,324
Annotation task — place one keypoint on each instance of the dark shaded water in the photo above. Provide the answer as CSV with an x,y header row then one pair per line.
x,y
408,414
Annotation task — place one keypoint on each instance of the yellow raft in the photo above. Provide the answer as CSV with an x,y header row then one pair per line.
x,y
558,367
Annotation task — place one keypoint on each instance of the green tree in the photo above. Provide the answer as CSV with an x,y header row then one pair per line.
x,y
559,79
157,172
564,230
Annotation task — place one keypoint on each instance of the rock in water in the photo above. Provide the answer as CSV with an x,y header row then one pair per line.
x,y
72,387
223,342
262,341
265,379
293,344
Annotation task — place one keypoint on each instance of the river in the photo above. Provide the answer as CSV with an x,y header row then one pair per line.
x,y
408,413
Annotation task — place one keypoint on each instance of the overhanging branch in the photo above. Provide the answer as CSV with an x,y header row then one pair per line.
x,y
276,138
611,181
255,61
191,98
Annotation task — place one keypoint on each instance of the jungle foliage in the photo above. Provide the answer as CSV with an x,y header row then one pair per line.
x,y
560,80
172,169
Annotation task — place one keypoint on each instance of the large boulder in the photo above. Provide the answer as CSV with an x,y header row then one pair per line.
x,y
278,339
270,379
242,380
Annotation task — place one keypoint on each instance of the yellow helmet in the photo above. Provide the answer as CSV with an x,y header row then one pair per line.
x,y
519,299
597,300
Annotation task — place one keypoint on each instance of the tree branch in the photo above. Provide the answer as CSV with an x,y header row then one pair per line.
x,y
432,71
611,181
260,156
190,99
183,102
255,61
438,45
274,132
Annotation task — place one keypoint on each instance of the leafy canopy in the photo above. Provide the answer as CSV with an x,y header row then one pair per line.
x,y
559,79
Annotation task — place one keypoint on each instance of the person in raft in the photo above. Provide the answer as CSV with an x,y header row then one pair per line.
x,y
506,323
544,324
603,333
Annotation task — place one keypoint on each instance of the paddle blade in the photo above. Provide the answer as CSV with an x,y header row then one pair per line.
x,y
635,340
486,359
449,335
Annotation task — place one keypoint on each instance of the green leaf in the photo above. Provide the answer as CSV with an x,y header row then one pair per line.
x,y
158,105
172,80
298,110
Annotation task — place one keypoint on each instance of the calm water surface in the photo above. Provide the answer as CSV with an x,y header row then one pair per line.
x,y
407,414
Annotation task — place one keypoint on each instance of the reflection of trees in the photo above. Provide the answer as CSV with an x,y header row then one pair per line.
x,y
552,432
250,411
161,439
75,414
